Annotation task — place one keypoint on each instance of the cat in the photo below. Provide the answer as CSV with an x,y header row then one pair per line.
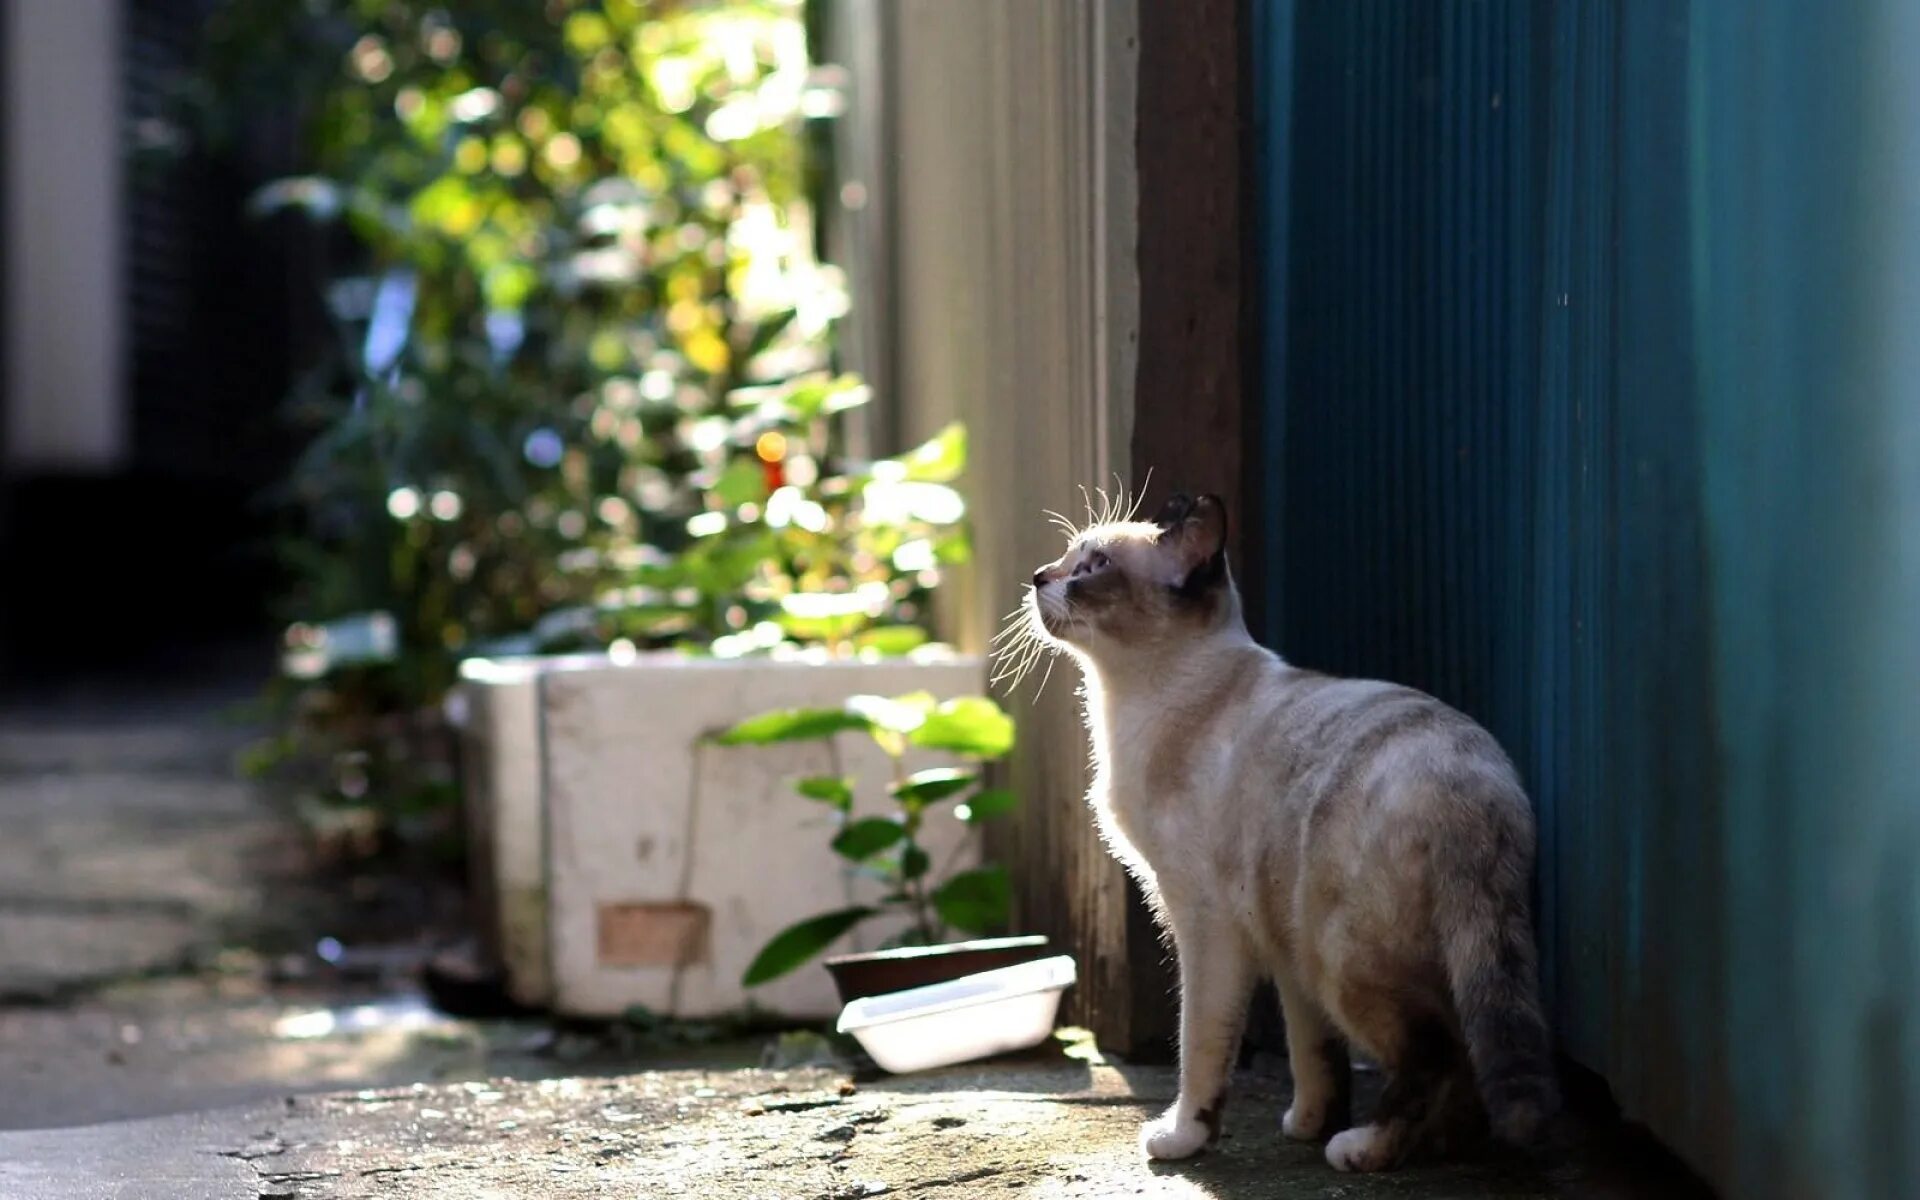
x,y
1361,843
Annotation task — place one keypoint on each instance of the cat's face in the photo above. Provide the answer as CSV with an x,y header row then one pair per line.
x,y
1135,585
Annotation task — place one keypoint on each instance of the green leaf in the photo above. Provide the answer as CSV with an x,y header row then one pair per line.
x,y
913,862
891,641
931,786
847,392
975,901
971,725
768,330
741,482
940,459
791,725
867,837
828,790
804,399
819,629
797,943
822,616
898,714
890,720
508,284
816,397
987,804
716,565
587,32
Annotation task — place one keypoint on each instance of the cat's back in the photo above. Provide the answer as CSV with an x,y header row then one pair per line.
x,y
1377,781
1326,733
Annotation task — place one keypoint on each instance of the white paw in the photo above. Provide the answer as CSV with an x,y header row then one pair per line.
x,y
1304,1122
1174,1136
1367,1148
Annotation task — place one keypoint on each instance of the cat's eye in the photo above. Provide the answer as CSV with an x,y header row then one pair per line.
x,y
1098,561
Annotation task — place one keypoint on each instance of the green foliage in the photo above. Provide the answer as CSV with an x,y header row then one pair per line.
x,y
794,945
975,901
581,389
790,725
867,837
987,804
973,725
931,786
889,848
828,790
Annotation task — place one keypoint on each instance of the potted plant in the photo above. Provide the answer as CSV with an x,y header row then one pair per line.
x,y
578,452
800,586
926,900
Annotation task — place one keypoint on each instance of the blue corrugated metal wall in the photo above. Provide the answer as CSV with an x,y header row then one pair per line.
x,y
1593,406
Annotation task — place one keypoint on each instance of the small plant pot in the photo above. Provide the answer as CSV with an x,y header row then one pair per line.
x,y
857,976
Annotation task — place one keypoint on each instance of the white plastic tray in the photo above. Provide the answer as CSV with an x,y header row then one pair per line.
x,y
992,1012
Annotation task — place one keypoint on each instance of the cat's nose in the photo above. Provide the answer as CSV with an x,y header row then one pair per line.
x,y
1040,577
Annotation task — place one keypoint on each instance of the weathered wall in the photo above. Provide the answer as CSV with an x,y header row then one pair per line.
x,y
1004,230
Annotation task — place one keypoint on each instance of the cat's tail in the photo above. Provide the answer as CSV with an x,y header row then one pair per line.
x,y
1487,945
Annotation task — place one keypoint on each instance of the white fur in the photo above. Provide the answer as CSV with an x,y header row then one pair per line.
x,y
1367,1148
1173,1136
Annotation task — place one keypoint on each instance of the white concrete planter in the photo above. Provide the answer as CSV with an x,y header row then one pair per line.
x,y
631,864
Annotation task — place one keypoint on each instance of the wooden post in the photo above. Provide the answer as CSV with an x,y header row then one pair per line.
x,y
1049,291
1192,387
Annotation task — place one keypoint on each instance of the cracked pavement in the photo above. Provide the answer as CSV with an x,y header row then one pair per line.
x,y
1053,1128
1045,1125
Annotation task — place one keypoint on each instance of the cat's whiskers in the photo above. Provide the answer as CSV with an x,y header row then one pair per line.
x,y
1018,664
1044,676
1021,644
1016,646
1067,527
1139,497
1117,511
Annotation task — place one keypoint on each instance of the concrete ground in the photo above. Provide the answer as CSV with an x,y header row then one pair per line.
x,y
130,846
1042,1127
167,1031
159,926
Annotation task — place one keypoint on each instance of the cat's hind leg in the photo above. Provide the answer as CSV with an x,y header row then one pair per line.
x,y
1419,1058
1458,1120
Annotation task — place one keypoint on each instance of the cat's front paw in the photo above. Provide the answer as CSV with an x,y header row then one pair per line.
x,y
1367,1148
1305,1122
1174,1136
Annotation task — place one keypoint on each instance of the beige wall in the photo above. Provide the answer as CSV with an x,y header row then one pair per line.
x,y
1005,183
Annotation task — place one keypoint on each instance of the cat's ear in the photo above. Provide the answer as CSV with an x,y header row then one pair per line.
x,y
1193,537
1177,508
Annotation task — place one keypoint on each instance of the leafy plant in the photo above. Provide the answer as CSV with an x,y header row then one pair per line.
x,y
888,848
580,389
